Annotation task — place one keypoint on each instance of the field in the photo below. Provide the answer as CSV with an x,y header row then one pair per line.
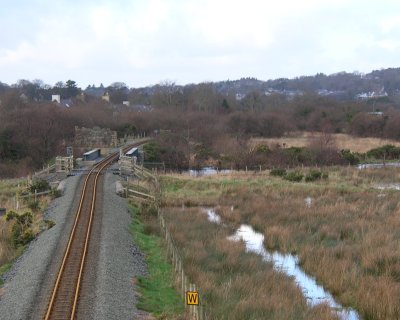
x,y
348,238
341,141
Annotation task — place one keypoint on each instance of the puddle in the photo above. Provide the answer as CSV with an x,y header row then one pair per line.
x,y
391,186
212,216
308,201
377,165
287,263
207,171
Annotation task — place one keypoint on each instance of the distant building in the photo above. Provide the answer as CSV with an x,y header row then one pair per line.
x,y
239,96
81,97
56,98
376,113
126,103
23,97
372,94
91,155
106,97
134,152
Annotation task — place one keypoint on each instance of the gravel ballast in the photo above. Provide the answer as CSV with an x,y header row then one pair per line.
x,y
109,288
119,261
25,282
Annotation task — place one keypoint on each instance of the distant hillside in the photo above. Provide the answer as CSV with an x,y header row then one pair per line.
x,y
342,85
383,83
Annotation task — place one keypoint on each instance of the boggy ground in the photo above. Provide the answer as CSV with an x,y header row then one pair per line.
x,y
348,238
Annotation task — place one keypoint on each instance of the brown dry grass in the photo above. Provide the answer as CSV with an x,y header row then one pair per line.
x,y
235,285
349,238
7,250
341,140
8,190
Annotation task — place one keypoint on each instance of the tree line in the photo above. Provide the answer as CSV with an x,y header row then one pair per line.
x,y
193,125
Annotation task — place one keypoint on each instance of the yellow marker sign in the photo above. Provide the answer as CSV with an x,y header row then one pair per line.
x,y
192,298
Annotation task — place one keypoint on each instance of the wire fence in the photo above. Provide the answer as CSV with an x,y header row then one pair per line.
x,y
195,311
19,201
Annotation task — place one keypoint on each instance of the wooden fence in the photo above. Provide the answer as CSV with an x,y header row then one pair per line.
x,y
195,312
17,204
47,170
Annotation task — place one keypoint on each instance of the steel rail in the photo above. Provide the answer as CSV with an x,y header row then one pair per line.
x,y
86,241
98,168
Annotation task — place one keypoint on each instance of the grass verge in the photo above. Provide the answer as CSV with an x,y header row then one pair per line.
x,y
157,294
3,269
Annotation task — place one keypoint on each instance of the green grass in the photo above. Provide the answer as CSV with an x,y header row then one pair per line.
x,y
7,266
3,269
157,294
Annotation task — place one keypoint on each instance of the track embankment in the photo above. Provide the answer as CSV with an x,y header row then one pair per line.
x,y
112,265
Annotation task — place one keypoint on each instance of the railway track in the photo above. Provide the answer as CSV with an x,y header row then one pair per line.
x,y
64,298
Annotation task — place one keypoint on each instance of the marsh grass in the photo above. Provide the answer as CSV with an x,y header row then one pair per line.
x,y
348,238
234,284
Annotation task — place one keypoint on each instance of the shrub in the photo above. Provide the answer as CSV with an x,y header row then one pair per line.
x,y
313,175
387,151
152,152
277,172
26,237
39,186
33,205
350,157
21,233
297,155
11,215
55,193
21,236
294,176
263,149
49,223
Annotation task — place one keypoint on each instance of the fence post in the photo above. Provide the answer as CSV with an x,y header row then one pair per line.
x,y
191,306
195,312
196,308
35,195
186,287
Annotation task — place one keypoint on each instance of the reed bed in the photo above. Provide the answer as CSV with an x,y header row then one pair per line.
x,y
235,284
348,237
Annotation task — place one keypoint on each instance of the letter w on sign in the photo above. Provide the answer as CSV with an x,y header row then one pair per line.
x,y
192,298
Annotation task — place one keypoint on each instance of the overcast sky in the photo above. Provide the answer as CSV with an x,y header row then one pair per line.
x,y
143,42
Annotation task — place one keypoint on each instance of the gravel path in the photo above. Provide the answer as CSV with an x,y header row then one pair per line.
x,y
114,265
